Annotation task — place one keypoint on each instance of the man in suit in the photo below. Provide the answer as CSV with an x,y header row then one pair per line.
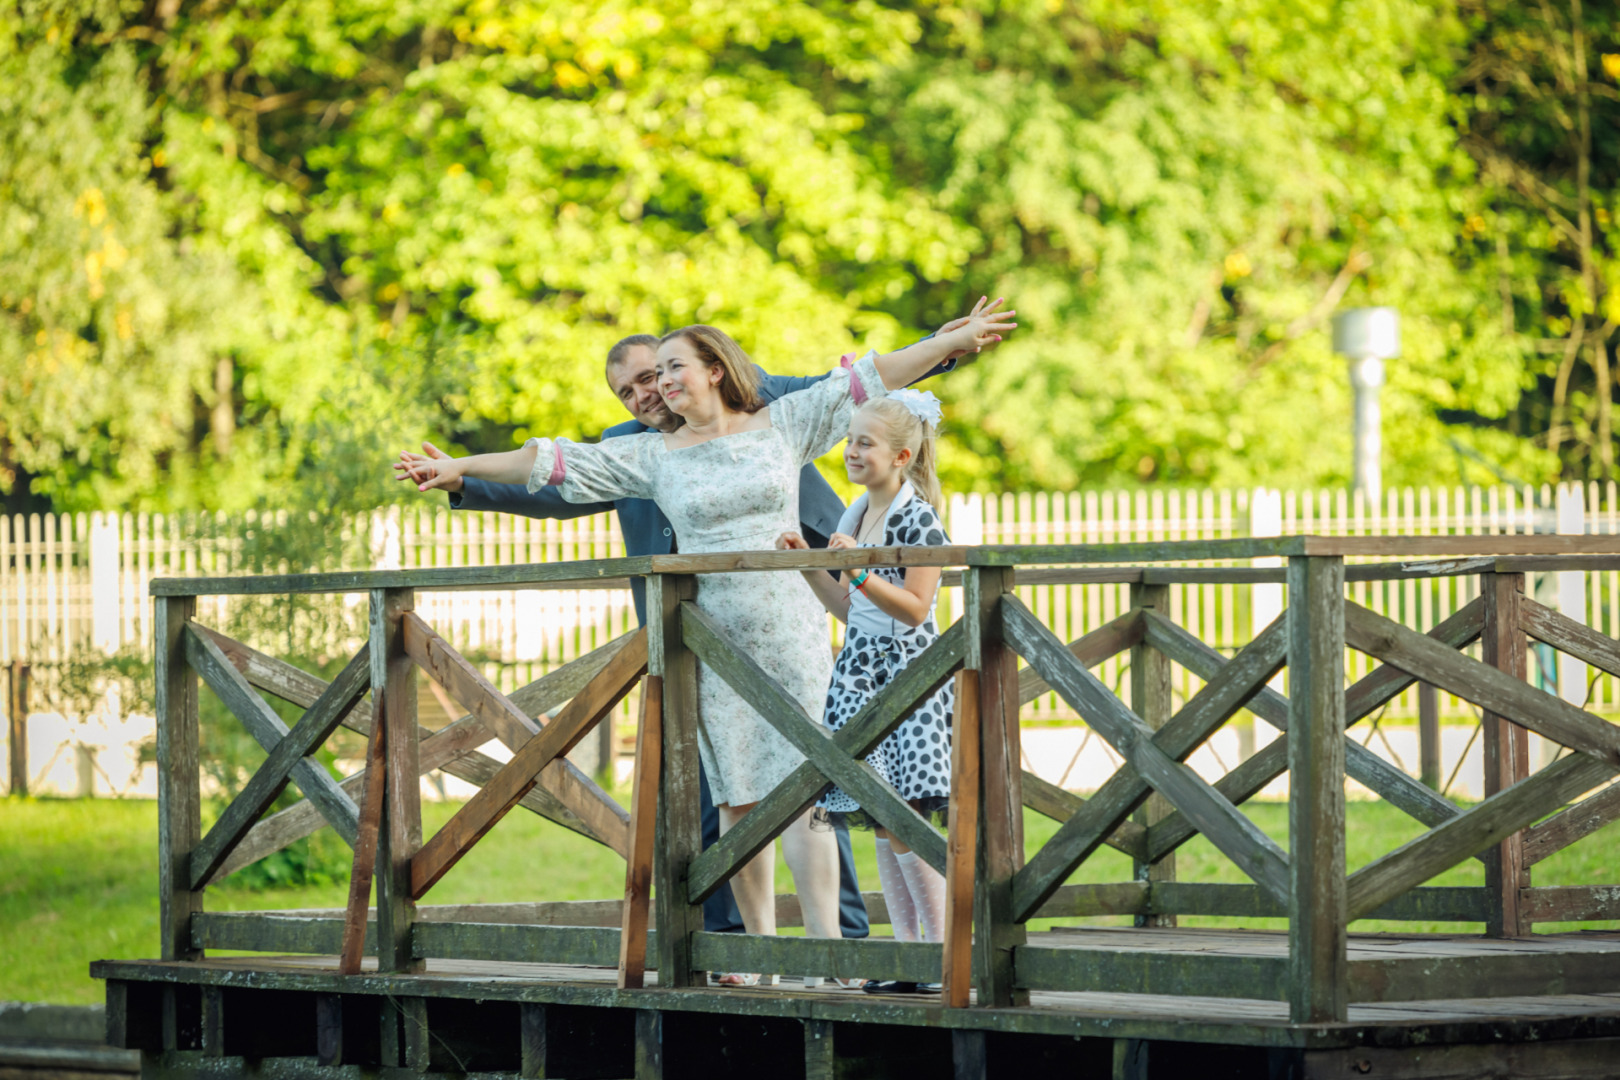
x,y
631,375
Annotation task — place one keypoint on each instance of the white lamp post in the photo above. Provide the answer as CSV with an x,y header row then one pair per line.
x,y
1367,337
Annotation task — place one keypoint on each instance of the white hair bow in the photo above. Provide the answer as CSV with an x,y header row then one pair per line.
x,y
920,403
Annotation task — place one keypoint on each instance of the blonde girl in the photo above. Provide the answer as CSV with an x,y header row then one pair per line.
x,y
889,612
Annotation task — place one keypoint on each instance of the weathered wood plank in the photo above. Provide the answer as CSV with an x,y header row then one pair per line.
x,y
1109,639
1490,689
821,559
1568,636
1151,698
1570,903
365,846
587,945
1437,904
1564,828
267,730
1047,967
399,833
680,825
841,958
1153,760
962,844
565,575
988,651
1476,829
518,776
1318,961
1131,552
1506,748
1429,978
874,722
313,729
179,794
812,739
638,868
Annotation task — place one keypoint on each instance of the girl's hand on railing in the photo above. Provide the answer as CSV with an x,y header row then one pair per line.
x,y
841,542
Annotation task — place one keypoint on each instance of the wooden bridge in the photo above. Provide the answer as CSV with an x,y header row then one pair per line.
x,y
591,989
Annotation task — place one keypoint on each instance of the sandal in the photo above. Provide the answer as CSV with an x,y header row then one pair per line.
x,y
733,978
850,984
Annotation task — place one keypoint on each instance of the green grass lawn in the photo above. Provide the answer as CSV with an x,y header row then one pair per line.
x,y
78,879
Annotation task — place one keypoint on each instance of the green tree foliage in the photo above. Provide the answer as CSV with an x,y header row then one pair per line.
x,y
245,249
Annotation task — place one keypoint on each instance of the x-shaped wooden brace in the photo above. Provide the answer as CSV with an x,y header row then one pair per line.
x,y
518,776
288,750
453,748
1596,741
831,757
1154,760
1271,761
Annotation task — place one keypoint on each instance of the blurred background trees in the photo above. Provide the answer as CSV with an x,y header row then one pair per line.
x,y
246,249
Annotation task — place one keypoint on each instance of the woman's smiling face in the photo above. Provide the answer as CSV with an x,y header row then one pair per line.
x,y
683,379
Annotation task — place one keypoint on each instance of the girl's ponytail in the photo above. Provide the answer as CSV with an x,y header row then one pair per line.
x,y
922,471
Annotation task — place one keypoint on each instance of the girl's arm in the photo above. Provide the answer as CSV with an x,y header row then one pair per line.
x,y
908,603
512,467
832,592
984,325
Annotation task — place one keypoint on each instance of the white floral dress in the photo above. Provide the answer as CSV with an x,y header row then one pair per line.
x,y
734,493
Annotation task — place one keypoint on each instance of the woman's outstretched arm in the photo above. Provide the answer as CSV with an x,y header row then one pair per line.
x,y
982,326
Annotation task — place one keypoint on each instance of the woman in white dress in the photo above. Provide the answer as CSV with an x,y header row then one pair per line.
x,y
728,480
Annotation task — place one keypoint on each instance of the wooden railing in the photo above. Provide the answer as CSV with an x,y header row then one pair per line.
x,y
1152,805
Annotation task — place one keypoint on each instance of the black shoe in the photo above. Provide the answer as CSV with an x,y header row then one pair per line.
x,y
895,986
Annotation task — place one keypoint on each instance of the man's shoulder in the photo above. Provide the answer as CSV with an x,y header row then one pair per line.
x,y
629,427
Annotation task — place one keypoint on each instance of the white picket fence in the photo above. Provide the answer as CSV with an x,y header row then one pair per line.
x,y
76,585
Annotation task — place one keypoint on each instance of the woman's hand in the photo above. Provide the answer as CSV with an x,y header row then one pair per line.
x,y
792,541
430,473
955,324
982,326
841,542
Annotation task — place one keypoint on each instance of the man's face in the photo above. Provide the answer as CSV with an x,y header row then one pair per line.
x,y
635,384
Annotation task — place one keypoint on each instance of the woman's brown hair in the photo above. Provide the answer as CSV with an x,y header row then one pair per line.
x,y
739,388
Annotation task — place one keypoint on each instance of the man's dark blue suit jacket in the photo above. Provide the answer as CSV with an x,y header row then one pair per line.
x,y
646,530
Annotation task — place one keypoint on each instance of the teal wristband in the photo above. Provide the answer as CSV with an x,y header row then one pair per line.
x,y
858,582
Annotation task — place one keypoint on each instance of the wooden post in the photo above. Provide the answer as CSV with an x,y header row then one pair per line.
x,y
1001,806
179,795
650,1022
962,845
638,869
399,834
1318,964
532,1040
820,1054
1151,700
1429,735
1507,753
17,712
680,823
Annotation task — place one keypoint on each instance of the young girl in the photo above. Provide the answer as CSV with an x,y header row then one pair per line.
x,y
890,616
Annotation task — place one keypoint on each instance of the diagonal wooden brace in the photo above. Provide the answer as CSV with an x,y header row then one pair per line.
x,y
266,727
512,726
874,722
1271,761
1486,824
317,724
810,738
519,775
1492,690
1153,760
1566,635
